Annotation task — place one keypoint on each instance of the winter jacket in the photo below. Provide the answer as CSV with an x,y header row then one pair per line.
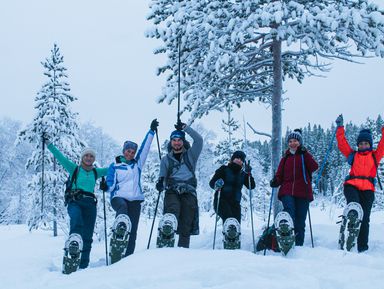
x,y
234,178
182,173
363,163
123,178
85,180
290,175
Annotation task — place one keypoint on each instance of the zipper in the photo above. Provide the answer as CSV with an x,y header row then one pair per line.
x,y
294,172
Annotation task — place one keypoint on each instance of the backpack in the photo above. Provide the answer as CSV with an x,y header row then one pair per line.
x,y
268,240
174,164
70,194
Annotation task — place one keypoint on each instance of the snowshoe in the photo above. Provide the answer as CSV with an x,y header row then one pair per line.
x,y
166,231
72,253
285,234
231,233
350,225
120,236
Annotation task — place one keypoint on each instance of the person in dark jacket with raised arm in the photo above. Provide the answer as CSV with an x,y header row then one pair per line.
x,y
230,179
177,177
294,176
81,199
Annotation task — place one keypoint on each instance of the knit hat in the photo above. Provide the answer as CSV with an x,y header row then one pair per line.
x,y
296,134
88,151
365,135
129,145
238,155
177,134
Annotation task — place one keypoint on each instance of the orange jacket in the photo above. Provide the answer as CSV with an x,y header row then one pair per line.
x,y
363,164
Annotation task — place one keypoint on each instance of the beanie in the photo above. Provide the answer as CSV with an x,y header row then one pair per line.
x,y
296,134
88,151
177,134
238,155
365,135
129,145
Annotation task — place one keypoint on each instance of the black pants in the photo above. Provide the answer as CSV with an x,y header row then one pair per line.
x,y
365,199
132,209
82,215
184,207
228,209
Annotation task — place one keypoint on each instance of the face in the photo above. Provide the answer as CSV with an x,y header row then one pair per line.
x,y
177,144
238,161
293,144
129,154
364,145
88,159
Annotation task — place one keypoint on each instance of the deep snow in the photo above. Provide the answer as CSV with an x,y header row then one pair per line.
x,y
33,260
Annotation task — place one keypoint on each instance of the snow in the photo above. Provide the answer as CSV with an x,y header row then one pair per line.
x,y
33,260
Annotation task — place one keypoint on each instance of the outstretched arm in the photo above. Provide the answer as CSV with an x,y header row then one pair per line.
x,y
197,145
68,165
379,153
342,142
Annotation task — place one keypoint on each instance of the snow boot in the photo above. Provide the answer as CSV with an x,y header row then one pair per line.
x,y
166,231
231,234
120,236
72,253
350,226
285,234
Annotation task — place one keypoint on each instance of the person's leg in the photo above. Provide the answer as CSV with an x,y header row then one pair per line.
x,y
289,206
351,194
188,208
75,218
120,206
134,209
366,201
88,208
301,206
224,210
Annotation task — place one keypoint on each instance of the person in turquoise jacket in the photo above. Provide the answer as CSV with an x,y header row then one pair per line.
x,y
80,198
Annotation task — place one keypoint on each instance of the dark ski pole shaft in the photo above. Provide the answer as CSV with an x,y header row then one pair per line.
x,y
216,217
42,173
105,224
306,189
178,79
158,197
269,213
250,204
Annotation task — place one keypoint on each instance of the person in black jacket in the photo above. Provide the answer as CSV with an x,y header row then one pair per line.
x,y
229,180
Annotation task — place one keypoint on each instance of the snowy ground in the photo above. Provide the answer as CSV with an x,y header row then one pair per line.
x,y
33,260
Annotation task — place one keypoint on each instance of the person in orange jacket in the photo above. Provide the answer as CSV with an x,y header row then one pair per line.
x,y
359,185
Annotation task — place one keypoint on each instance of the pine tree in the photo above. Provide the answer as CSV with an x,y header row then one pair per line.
x,y
55,120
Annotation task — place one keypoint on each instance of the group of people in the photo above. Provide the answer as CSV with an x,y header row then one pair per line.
x,y
177,178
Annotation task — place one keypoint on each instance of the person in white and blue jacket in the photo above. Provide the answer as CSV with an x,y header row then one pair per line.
x,y
123,181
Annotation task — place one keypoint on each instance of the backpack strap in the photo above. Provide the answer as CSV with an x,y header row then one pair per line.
x,y
74,177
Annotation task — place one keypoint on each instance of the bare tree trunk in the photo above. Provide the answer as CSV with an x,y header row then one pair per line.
x,y
276,116
54,202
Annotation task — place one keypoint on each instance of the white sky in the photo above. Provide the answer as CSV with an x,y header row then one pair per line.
x,y
111,71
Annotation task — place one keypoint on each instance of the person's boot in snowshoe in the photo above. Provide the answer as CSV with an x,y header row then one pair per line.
x,y
166,231
231,234
285,234
120,237
72,253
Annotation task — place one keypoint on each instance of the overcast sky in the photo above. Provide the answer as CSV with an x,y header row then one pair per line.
x,y
111,70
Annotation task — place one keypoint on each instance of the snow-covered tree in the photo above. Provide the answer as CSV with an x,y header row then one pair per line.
x,y
242,50
55,120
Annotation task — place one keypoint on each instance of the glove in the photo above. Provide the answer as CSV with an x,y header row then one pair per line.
x,y
247,168
340,120
302,150
154,125
160,185
45,138
273,183
219,184
180,125
103,185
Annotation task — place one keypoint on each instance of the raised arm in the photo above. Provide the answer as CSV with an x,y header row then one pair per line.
x,y
379,153
342,142
197,145
68,165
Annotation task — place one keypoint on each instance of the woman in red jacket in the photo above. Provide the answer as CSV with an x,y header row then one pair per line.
x,y
294,176
359,185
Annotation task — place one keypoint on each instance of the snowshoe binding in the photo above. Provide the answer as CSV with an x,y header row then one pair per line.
x,y
166,231
285,234
350,226
231,234
72,253
120,236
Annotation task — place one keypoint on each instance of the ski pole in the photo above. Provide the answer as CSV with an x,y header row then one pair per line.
x,y
306,188
325,160
250,204
158,197
178,80
105,221
217,217
42,173
269,213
